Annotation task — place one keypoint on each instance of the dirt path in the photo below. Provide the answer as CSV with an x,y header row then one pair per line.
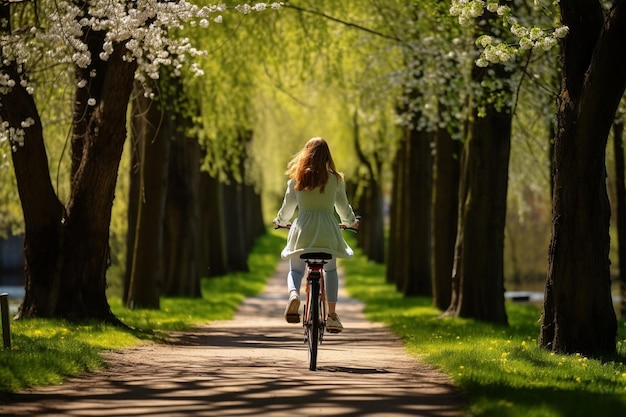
x,y
255,365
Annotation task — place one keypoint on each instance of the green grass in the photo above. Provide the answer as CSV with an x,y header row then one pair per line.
x,y
220,295
501,369
45,352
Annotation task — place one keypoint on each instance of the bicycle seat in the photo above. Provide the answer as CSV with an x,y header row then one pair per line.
x,y
316,255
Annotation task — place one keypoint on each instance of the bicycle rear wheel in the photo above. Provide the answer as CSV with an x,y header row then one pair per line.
x,y
313,327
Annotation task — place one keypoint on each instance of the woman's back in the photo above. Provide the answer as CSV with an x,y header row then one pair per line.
x,y
319,201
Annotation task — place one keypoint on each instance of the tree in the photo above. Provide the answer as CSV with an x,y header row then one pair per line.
x,y
182,223
447,171
370,204
502,39
445,206
225,124
145,250
578,314
620,185
478,271
215,238
412,215
66,245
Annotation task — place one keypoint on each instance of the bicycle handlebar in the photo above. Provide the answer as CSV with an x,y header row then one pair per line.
x,y
341,226
348,228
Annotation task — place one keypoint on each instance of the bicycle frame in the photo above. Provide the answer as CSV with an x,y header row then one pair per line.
x,y
315,273
315,310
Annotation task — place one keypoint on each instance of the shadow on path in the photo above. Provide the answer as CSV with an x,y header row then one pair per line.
x,y
255,365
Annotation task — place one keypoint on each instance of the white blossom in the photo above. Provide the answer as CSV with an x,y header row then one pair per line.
x,y
243,8
561,32
526,44
496,50
482,62
493,7
16,137
141,30
28,122
485,41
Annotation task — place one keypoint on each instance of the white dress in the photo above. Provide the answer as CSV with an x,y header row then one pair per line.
x,y
316,229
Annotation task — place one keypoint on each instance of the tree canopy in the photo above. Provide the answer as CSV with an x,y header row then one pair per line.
x,y
400,89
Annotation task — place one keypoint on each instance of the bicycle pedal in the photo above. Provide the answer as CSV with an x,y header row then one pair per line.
x,y
292,318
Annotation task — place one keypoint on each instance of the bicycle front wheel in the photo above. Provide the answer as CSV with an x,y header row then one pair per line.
x,y
313,328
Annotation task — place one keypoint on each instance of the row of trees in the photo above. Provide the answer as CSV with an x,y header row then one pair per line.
x,y
66,244
578,314
373,66
467,277
183,223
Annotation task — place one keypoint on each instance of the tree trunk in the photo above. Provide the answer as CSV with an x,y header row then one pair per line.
x,y
417,277
370,201
238,196
213,228
234,221
409,239
182,222
254,213
397,241
67,253
620,185
371,237
578,313
445,209
478,270
134,196
43,213
146,277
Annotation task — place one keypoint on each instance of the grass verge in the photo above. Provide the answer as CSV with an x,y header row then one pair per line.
x,y
45,352
501,368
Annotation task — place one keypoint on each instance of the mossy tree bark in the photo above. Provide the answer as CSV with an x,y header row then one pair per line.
x,y
578,313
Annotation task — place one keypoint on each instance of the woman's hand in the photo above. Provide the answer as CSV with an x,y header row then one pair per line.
x,y
354,226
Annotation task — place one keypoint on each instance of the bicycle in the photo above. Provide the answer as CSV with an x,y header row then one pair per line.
x,y
315,311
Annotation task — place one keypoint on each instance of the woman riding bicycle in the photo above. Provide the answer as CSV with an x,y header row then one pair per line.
x,y
316,189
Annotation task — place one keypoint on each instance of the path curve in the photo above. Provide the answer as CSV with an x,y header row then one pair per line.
x,y
255,365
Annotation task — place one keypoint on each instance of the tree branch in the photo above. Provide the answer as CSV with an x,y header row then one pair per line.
x,y
341,21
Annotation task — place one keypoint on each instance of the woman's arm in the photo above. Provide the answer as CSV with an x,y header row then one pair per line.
x,y
343,207
290,203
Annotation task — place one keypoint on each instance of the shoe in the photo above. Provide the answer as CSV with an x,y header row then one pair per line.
x,y
333,324
291,312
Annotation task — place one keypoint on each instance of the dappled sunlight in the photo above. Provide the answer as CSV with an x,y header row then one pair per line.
x,y
502,369
235,387
256,365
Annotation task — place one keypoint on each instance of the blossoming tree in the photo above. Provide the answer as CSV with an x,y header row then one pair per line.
x,y
578,314
107,45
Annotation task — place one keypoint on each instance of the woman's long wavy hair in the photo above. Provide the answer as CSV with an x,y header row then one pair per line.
x,y
311,167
